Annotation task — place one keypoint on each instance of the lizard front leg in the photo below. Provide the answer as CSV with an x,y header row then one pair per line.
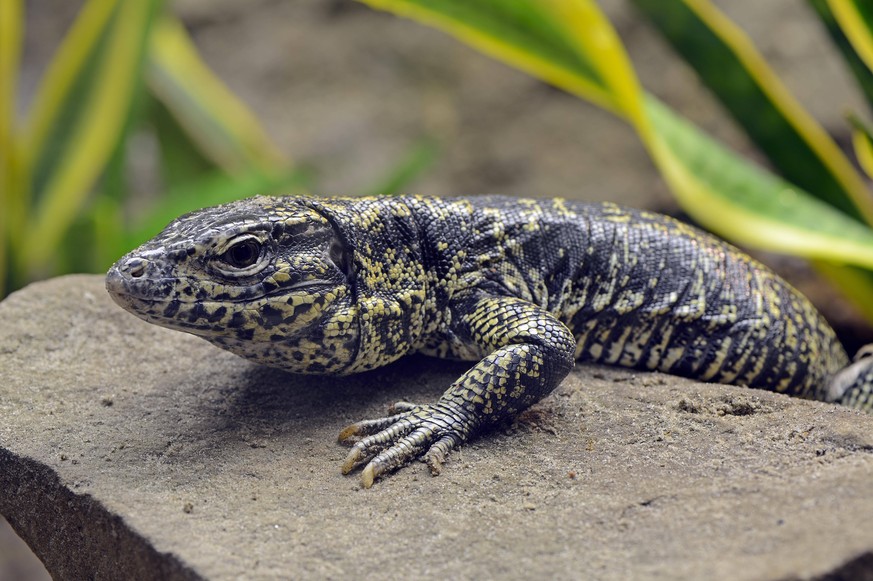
x,y
526,352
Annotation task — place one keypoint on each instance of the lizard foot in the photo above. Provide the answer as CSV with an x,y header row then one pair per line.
x,y
426,431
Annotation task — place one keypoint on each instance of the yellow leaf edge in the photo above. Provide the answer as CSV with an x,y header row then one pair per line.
x,y
806,126
95,135
11,38
847,16
503,51
61,73
172,52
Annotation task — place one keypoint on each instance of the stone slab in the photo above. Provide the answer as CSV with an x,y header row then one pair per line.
x,y
130,451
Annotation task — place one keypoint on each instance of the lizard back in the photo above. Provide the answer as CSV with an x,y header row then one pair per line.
x,y
637,289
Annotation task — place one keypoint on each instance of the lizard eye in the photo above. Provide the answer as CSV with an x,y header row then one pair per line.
x,y
242,254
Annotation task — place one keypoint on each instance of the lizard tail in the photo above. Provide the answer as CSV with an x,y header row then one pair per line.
x,y
852,386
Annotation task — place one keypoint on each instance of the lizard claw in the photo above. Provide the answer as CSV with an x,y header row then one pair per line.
x,y
428,432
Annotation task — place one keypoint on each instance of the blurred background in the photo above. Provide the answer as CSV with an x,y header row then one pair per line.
x,y
125,115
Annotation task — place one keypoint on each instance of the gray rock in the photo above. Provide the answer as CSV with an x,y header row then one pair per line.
x,y
130,451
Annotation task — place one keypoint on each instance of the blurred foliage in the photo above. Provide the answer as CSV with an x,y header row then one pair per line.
x,y
124,68
818,207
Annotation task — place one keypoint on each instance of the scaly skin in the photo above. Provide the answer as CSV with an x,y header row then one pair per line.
x,y
523,287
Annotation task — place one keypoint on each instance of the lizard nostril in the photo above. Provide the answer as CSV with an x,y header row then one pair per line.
x,y
135,267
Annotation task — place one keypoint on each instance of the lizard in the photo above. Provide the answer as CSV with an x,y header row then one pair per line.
x,y
522,287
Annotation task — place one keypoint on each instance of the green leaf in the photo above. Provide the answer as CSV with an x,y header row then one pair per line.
x,y
114,183
728,63
855,283
11,33
745,203
856,20
416,161
79,115
182,161
108,239
863,75
862,141
214,118
93,240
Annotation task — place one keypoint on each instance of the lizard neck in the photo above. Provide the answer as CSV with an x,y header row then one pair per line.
x,y
389,286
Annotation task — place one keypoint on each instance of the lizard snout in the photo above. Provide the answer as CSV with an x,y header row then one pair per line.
x,y
137,275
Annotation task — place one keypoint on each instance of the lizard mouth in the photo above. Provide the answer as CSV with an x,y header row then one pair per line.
x,y
124,287
158,301
210,317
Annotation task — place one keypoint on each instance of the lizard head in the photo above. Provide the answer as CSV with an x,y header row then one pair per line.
x,y
266,278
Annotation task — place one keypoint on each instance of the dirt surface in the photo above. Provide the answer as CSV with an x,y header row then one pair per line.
x,y
127,450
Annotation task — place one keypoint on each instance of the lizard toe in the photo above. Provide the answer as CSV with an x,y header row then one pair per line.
x,y
355,432
402,452
370,446
403,406
428,432
436,456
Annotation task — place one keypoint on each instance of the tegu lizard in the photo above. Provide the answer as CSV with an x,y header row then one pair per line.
x,y
522,287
